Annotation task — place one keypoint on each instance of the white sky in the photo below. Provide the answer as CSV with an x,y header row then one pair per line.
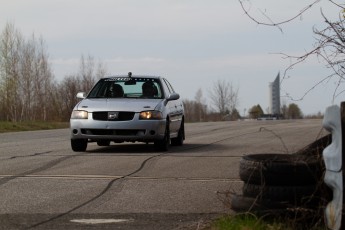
x,y
190,42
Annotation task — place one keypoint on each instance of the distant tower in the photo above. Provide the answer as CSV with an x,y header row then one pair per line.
x,y
274,96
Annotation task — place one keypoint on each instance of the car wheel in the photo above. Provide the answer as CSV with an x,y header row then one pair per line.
x,y
280,169
103,143
178,141
79,145
163,145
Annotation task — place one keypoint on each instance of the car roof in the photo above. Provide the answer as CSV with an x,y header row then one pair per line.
x,y
132,76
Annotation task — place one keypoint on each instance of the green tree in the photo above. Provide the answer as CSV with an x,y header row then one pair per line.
x,y
235,115
284,111
294,112
255,112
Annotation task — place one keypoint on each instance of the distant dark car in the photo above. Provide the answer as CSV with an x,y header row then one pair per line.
x,y
128,109
266,117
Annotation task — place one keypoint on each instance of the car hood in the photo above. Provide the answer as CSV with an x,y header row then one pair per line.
x,y
114,104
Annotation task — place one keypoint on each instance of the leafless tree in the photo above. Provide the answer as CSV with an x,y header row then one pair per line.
x,y
11,41
65,99
66,91
196,110
223,96
25,77
101,70
200,106
35,80
189,110
88,74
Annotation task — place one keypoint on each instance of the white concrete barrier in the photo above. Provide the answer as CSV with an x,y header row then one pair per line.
x,y
332,155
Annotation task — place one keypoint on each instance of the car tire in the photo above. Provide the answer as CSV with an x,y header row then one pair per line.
x,y
292,194
241,203
103,143
280,169
178,141
163,145
79,145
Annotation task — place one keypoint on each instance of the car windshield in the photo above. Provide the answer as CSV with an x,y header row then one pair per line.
x,y
125,87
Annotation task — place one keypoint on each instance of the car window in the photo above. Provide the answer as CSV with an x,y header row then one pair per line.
x,y
124,87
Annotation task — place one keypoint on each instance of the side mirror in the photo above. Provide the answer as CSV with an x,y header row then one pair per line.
x,y
81,95
173,96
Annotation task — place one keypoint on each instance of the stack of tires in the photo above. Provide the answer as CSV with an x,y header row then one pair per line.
x,y
275,183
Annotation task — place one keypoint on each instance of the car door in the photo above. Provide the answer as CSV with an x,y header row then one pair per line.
x,y
175,107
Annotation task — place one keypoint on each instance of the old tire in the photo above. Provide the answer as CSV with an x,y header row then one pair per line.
x,y
280,169
241,203
292,194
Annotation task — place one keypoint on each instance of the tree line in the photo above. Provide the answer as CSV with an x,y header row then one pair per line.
x,y
196,111
291,111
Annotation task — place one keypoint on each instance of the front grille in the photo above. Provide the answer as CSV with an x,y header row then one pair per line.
x,y
101,116
122,116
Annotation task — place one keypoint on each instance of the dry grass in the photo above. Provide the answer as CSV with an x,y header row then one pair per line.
x,y
6,126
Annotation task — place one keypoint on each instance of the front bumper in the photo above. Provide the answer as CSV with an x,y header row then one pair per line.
x,y
118,131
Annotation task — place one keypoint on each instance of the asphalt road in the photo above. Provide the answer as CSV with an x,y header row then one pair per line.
x,y
45,185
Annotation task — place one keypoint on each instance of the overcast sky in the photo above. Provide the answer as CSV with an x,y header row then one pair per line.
x,y
192,43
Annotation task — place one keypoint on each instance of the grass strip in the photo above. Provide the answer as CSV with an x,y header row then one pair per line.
x,y
248,221
7,126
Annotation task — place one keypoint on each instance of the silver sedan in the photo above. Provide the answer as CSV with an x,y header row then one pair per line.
x,y
128,109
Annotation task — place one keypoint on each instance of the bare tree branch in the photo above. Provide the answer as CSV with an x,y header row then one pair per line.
x,y
276,24
336,4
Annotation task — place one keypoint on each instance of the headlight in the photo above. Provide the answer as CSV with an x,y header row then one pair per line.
x,y
79,114
150,115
